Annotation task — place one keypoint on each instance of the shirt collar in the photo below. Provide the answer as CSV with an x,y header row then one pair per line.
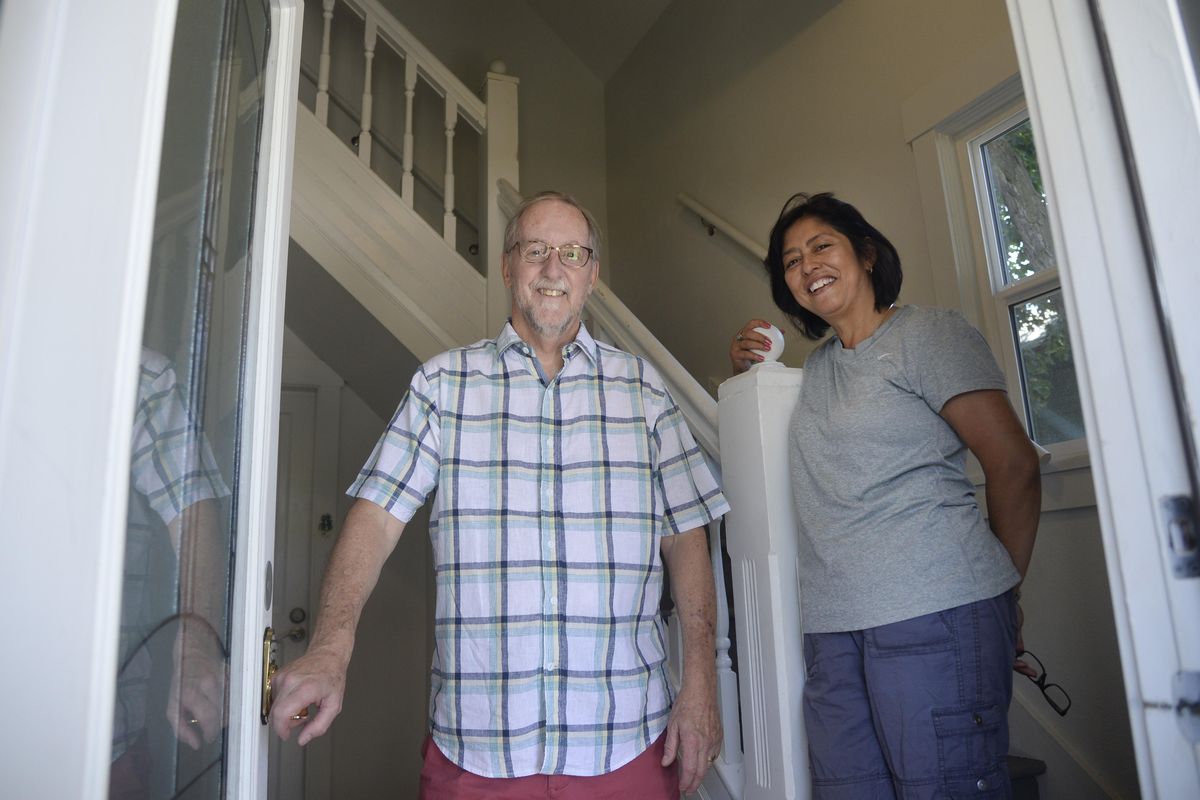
x,y
583,341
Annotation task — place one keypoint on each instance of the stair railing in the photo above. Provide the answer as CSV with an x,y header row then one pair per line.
x,y
493,118
459,101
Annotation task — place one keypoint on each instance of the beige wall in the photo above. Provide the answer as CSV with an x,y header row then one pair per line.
x,y
740,105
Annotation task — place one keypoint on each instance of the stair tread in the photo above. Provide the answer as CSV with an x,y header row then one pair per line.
x,y
1025,767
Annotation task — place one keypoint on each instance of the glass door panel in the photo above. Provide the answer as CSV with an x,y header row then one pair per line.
x,y
169,728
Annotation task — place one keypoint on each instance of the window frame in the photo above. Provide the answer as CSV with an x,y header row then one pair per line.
x,y
957,219
998,298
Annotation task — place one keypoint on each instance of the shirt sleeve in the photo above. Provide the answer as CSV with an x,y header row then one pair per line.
x,y
691,496
172,465
952,358
403,468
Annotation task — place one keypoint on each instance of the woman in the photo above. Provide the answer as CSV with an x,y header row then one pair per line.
x,y
908,598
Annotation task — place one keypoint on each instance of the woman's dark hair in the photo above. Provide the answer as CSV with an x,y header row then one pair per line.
x,y
872,248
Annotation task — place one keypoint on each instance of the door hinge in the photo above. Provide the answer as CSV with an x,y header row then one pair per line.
x,y
1179,519
1185,696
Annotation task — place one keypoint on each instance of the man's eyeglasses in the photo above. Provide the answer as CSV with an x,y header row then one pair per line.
x,y
569,255
1055,694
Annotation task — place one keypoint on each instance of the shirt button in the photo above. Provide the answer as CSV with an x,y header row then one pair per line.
x,y
553,601
981,785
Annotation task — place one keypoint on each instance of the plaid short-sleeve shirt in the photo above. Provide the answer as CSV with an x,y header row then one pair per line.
x,y
552,498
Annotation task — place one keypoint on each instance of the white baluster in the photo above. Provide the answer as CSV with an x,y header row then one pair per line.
x,y
410,88
323,70
364,137
727,688
500,168
449,227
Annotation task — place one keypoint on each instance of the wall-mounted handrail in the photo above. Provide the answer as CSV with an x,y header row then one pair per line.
x,y
715,223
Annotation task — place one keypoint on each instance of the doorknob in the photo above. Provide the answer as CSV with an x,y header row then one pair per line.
x,y
268,672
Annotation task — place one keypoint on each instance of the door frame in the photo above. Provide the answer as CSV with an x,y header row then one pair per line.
x,y
250,614
1116,125
326,386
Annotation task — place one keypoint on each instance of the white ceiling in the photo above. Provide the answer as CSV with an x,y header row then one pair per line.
x,y
601,32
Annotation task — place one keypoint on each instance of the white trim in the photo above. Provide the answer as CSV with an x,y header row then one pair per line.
x,y
64,464
247,769
951,246
1133,439
1162,113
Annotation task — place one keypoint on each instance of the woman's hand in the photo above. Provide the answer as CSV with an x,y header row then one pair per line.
x,y
747,340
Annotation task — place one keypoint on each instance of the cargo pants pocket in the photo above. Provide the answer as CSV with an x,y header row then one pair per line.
x,y
968,752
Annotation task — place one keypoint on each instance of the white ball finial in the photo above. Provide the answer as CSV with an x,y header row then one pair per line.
x,y
499,67
776,337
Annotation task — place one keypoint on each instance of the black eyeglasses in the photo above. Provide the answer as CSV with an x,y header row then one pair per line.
x,y
1055,694
569,255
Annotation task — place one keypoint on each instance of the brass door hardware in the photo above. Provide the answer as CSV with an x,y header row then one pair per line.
x,y
268,672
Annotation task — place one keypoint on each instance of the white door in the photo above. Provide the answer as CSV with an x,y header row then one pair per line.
x,y
1114,100
145,208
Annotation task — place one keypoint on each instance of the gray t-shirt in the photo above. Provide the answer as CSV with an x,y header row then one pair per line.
x,y
888,522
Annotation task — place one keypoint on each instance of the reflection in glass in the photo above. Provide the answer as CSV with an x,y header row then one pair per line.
x,y
171,713
1047,369
1018,204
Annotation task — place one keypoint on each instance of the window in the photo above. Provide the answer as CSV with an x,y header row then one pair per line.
x,y
991,247
1022,276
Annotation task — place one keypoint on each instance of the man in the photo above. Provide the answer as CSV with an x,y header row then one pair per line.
x,y
566,478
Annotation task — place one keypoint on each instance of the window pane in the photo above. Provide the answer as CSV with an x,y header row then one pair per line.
x,y
1018,204
169,727
1047,369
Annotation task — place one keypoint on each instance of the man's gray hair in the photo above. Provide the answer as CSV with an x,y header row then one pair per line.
x,y
512,229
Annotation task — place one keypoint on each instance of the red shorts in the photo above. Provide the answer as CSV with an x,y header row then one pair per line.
x,y
644,777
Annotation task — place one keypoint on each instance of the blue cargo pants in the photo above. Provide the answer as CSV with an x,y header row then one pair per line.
x,y
913,709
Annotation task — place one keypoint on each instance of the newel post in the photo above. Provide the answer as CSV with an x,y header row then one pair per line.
x,y
500,163
754,410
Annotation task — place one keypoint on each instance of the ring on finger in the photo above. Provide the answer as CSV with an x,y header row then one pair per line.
x,y
738,338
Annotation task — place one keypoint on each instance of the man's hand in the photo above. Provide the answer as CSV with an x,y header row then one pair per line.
x,y
316,678
694,728
196,705
319,677
693,735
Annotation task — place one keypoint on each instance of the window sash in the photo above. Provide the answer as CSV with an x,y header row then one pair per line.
x,y
997,296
